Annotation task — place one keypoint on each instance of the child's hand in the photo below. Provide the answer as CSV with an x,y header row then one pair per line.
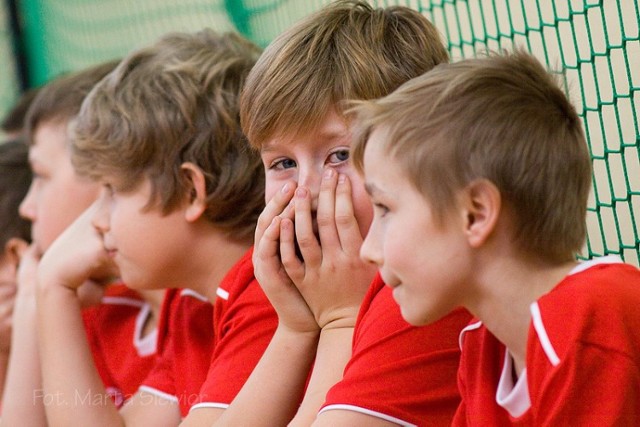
x,y
75,256
331,276
292,310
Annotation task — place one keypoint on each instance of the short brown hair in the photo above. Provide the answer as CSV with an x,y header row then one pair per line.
x,y
59,101
13,121
172,102
15,178
347,50
503,118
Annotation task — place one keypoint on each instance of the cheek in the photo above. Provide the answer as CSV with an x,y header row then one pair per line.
x,y
272,186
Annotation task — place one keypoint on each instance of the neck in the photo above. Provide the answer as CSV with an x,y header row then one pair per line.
x,y
154,298
505,289
210,260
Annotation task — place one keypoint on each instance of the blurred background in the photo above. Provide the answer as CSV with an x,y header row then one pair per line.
x,y
593,44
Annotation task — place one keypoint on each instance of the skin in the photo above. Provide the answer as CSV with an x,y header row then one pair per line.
x,y
53,176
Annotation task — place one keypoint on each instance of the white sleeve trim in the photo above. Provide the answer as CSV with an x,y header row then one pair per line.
x,y
209,405
158,393
367,412
536,317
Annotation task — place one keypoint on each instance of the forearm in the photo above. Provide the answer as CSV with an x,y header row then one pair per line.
x,y
23,402
69,375
272,393
333,353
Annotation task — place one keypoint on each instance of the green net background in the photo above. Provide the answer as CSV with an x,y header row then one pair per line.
x,y
595,43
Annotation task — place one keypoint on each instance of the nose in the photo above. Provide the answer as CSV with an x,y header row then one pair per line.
x,y
101,215
311,178
371,251
27,208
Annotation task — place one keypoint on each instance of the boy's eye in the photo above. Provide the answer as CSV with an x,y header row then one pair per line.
x,y
380,209
109,190
283,164
339,156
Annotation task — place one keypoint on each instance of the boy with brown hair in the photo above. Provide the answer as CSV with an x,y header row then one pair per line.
x,y
181,195
306,254
56,196
479,173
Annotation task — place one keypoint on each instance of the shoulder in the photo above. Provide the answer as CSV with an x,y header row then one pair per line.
x,y
595,305
237,279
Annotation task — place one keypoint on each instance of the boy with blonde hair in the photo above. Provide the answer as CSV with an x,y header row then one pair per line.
x,y
306,255
181,194
479,173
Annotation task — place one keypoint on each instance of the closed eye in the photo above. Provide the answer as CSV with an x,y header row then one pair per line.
x,y
380,210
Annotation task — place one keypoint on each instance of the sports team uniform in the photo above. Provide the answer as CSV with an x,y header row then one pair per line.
x,y
582,357
244,322
123,356
185,343
398,372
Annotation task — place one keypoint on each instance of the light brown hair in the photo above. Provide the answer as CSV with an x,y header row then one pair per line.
x,y
347,50
503,118
59,101
173,102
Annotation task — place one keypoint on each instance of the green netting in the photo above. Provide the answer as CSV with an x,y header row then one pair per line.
x,y
594,43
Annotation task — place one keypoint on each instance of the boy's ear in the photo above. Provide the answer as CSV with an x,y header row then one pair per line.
x,y
14,248
482,206
197,203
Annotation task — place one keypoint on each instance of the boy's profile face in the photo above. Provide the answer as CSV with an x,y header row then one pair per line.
x,y
303,158
56,195
151,249
424,262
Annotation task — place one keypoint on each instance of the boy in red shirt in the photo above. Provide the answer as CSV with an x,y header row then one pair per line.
x,y
56,196
479,173
292,111
181,193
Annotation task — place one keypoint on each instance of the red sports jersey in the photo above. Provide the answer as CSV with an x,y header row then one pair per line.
x,y
582,357
244,322
399,372
185,343
114,329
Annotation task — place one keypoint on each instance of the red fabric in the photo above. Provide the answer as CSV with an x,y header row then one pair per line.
x,y
185,344
112,333
244,323
400,371
592,322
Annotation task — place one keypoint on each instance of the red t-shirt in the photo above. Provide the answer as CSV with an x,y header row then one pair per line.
x,y
582,357
123,357
244,323
185,344
398,372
